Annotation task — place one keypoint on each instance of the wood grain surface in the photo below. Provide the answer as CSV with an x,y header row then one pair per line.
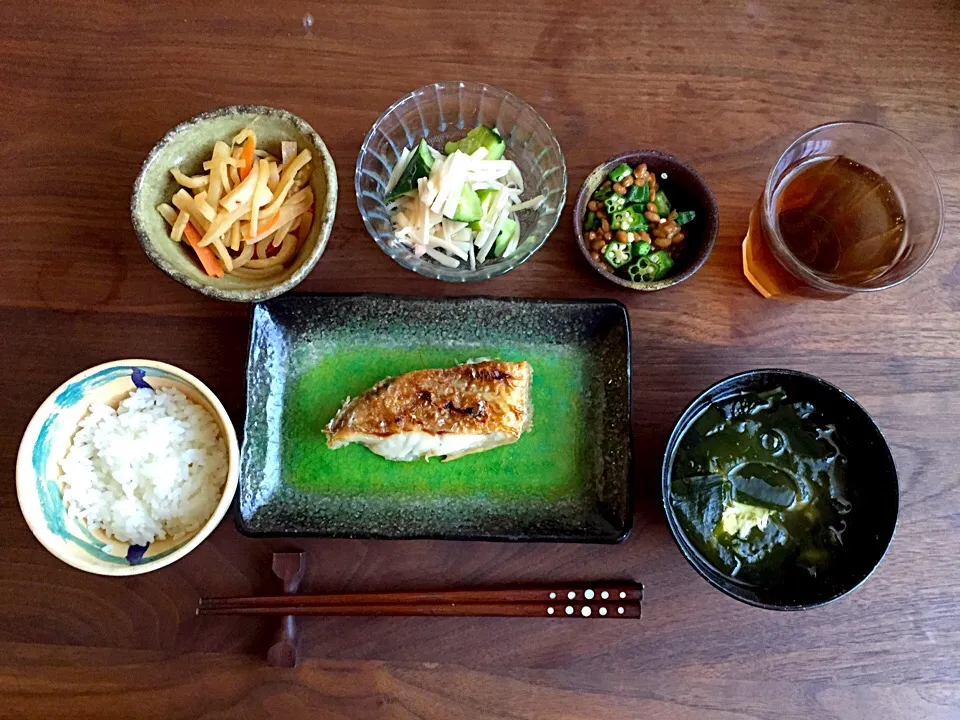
x,y
88,87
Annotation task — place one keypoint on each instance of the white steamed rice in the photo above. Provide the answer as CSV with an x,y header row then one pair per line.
x,y
151,469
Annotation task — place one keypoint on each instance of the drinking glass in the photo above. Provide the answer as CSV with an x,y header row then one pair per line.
x,y
776,271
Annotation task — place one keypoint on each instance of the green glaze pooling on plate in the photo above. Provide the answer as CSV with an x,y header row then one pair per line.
x,y
545,464
566,479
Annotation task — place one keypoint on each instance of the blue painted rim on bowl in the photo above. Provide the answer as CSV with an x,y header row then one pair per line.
x,y
48,490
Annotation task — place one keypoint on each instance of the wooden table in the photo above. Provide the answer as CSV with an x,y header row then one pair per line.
x,y
89,87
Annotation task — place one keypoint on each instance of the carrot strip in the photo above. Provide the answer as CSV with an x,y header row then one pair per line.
x,y
266,226
246,157
211,263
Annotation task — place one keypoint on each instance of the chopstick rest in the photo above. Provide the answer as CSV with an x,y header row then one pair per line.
x,y
285,651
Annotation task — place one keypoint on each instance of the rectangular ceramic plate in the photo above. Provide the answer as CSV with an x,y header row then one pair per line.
x,y
566,479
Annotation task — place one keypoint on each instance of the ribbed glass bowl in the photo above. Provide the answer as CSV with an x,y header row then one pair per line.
x,y
448,111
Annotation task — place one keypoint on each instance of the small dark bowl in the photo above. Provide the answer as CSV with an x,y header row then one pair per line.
x,y
874,493
687,190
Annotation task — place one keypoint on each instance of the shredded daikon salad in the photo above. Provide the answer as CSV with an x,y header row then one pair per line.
x,y
249,213
458,208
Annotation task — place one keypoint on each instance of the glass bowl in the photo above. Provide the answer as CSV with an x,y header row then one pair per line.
x,y
447,111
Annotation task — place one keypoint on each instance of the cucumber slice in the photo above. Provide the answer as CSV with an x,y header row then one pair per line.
x,y
486,197
418,167
480,136
424,154
486,202
510,229
468,209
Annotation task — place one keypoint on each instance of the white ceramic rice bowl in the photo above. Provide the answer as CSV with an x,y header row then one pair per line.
x,y
47,440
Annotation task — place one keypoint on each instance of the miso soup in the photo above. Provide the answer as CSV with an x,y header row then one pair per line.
x,y
759,484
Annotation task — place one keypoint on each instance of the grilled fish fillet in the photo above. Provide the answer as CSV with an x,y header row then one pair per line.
x,y
449,411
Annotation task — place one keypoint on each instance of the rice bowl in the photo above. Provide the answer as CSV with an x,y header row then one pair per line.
x,y
47,441
151,469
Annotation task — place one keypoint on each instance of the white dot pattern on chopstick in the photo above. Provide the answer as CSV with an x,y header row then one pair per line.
x,y
595,602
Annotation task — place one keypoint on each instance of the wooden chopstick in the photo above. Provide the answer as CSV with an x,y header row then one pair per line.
x,y
598,593
579,610
610,600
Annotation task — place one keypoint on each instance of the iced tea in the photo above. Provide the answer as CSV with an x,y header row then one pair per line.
x,y
828,225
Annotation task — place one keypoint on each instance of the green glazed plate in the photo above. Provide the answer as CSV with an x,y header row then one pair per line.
x,y
566,479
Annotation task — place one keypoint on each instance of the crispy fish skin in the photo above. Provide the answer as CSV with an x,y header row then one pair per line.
x,y
485,403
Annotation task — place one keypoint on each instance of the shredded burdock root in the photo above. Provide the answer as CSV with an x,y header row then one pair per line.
x,y
248,213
